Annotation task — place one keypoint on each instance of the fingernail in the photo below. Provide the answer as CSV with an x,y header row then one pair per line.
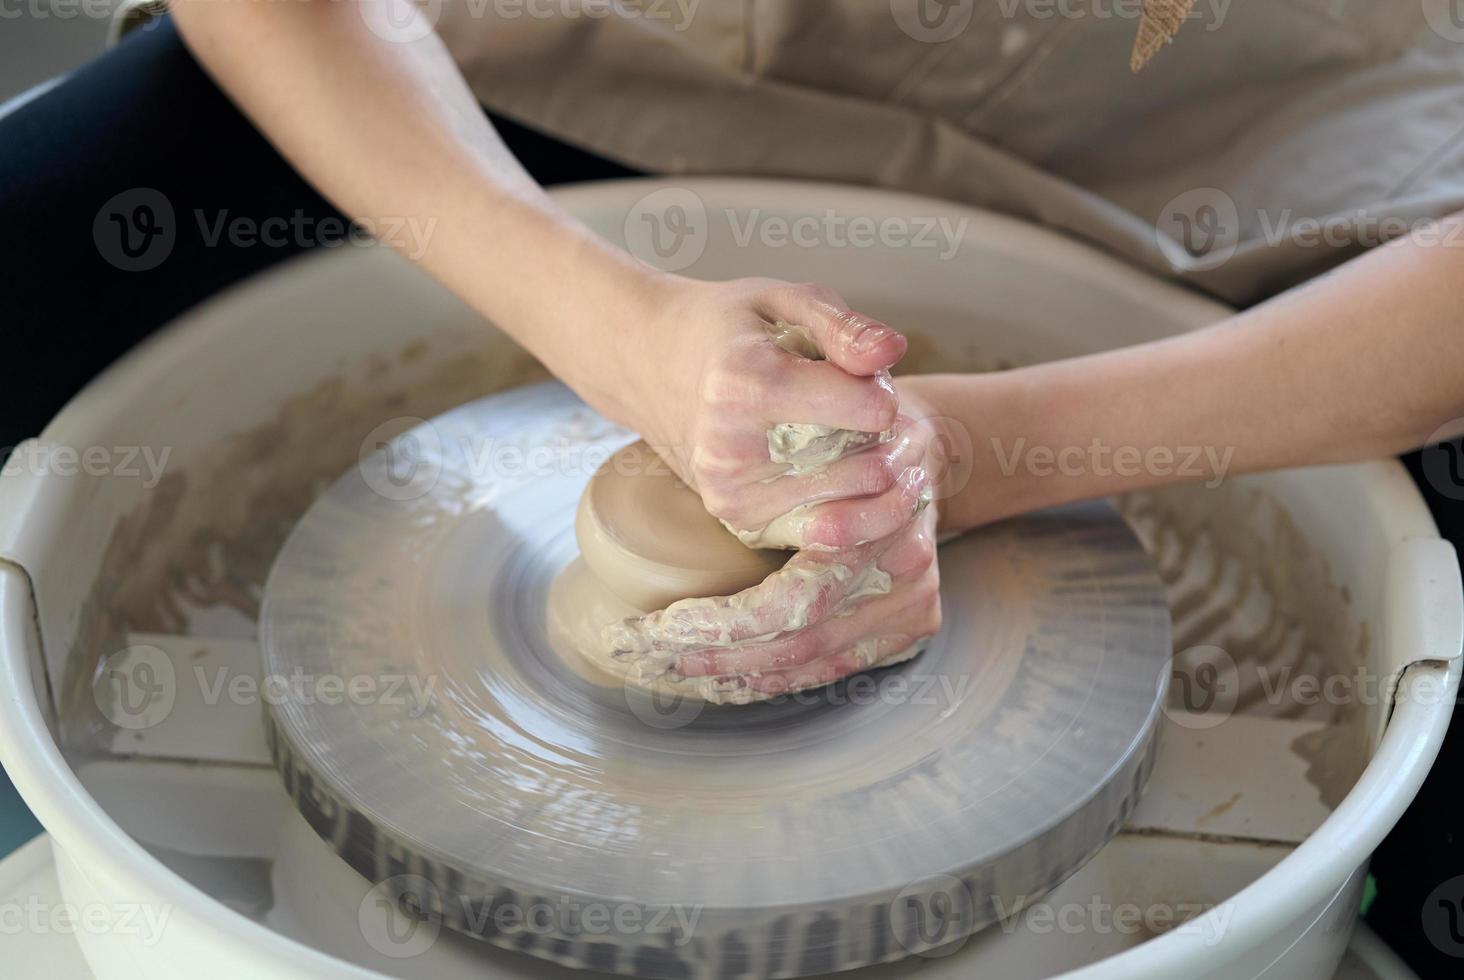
x,y
870,336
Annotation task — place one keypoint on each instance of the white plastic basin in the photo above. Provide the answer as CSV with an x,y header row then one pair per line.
x,y
271,389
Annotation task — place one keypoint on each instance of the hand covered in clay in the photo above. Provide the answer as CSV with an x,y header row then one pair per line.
x,y
822,616
826,614
774,402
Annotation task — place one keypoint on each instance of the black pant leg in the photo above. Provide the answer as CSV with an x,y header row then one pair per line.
x,y
1419,868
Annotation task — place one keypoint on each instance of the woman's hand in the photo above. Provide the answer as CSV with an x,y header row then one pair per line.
x,y
689,365
825,615
712,382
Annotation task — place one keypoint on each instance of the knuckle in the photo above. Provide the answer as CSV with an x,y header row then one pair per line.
x,y
757,284
876,474
913,559
706,456
836,527
882,406
720,503
934,617
712,467
923,553
729,384
818,291
801,648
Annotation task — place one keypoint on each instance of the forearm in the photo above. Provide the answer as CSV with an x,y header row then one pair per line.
x,y
1366,362
389,131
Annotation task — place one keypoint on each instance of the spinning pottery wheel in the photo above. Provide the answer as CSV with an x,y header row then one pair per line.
x,y
479,767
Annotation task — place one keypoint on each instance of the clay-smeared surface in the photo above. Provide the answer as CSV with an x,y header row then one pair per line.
x,y
1006,753
648,538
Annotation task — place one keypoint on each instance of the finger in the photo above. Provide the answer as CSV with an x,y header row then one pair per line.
x,y
854,342
903,611
849,523
911,553
868,522
872,655
806,590
801,678
821,393
871,471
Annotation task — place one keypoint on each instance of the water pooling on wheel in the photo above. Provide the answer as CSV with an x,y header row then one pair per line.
x,y
815,832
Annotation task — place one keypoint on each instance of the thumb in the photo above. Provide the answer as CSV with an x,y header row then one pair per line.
x,y
857,343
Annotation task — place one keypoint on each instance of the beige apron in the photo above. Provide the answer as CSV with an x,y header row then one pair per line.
x,y
1269,141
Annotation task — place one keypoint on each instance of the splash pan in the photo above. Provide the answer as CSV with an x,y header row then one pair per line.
x,y
480,768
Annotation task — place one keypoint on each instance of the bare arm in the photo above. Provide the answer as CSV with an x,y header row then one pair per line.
x,y
1362,363
388,129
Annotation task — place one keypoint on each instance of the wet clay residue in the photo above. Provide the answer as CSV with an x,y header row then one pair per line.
x,y
1241,576
1220,810
206,536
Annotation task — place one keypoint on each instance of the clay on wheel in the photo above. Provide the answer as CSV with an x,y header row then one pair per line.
x,y
648,539
1002,758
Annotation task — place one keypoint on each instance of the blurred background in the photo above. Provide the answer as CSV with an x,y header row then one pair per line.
x,y
40,40
43,38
